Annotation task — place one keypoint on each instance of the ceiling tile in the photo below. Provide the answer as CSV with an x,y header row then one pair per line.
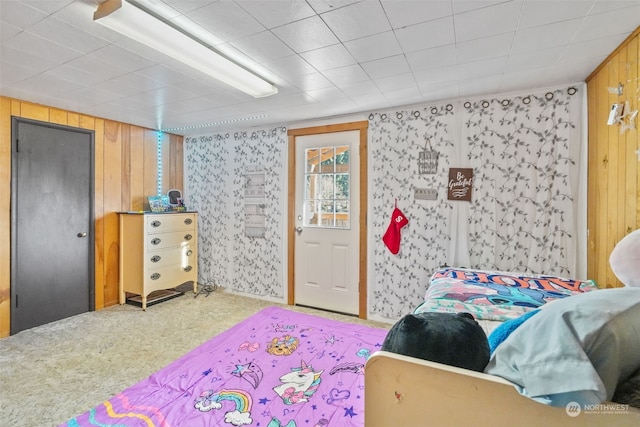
x,y
461,6
47,6
439,32
346,75
488,21
402,13
387,67
618,21
486,47
482,68
538,13
20,14
385,45
42,48
290,66
226,20
536,59
263,47
58,32
276,13
329,57
307,34
357,20
432,58
395,82
312,81
322,6
546,36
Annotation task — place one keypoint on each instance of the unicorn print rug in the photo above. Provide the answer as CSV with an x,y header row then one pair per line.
x,y
277,368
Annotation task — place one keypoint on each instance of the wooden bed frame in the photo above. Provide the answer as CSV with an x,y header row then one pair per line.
x,y
409,392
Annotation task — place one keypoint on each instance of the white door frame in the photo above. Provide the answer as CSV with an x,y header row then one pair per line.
x,y
361,126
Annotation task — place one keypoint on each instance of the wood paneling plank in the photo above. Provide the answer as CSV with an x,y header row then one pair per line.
x,y
112,159
5,216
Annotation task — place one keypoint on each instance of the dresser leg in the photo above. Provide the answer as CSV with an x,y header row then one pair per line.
x,y
144,302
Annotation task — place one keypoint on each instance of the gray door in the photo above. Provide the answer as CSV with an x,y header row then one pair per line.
x,y
52,232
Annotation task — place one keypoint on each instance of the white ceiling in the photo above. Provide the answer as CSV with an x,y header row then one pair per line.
x,y
327,57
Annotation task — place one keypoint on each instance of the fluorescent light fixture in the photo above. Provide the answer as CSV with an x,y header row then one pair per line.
x,y
135,23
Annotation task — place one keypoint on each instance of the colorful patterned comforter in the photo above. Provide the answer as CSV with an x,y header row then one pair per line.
x,y
277,368
496,295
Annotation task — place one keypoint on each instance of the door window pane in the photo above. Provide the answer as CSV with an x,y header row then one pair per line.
x,y
327,160
327,189
312,156
342,186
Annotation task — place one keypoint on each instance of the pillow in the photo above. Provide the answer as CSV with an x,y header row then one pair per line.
x,y
625,259
576,350
452,339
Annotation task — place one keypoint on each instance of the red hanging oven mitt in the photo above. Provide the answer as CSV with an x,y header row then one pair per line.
x,y
391,237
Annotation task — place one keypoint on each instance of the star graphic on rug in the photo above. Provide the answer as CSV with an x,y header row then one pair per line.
x,y
263,401
349,412
240,369
207,372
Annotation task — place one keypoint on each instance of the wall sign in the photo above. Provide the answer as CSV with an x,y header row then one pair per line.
x,y
254,201
428,160
460,184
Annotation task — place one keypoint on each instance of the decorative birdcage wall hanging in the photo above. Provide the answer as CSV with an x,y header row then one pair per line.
x,y
428,159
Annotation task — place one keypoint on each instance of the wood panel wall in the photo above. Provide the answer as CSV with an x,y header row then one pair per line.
x,y
126,159
614,174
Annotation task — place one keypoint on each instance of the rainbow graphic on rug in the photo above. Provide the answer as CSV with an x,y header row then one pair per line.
x,y
241,416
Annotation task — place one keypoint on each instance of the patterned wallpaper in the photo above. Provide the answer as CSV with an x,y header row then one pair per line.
x,y
215,168
524,151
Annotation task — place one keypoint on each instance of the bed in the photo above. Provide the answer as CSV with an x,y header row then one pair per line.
x,y
401,390
409,392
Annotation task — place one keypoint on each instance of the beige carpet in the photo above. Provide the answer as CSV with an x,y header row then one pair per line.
x,y
54,372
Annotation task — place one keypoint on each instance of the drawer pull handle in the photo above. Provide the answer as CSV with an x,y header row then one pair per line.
x,y
156,223
189,252
188,237
188,268
155,258
155,276
156,241
188,221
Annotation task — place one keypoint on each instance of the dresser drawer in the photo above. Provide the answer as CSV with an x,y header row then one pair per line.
x,y
155,259
170,222
168,277
170,239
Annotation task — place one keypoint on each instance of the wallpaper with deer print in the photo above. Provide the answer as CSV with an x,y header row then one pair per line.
x,y
525,154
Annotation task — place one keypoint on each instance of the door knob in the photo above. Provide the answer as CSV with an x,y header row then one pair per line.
x,y
82,234
298,230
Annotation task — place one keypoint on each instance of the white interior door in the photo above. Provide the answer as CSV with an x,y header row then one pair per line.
x,y
327,221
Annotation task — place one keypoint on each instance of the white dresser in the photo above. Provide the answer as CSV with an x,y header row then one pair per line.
x,y
157,251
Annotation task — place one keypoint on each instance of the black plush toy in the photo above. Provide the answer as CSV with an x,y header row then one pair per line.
x,y
451,339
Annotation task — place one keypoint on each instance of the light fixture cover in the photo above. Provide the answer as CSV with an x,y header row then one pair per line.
x,y
139,25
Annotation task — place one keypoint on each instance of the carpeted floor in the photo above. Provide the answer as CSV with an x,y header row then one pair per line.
x,y
54,372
